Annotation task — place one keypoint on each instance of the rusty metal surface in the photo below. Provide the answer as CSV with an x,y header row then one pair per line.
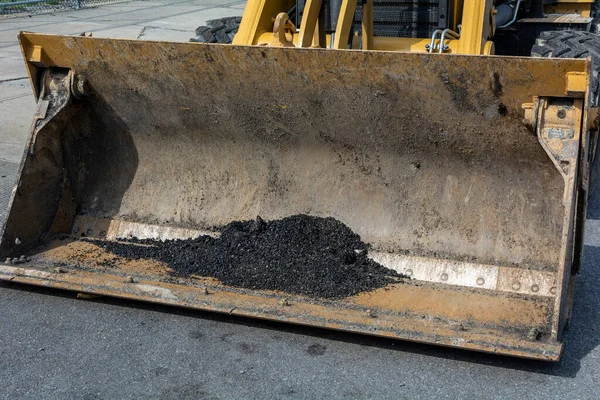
x,y
412,155
422,155
416,312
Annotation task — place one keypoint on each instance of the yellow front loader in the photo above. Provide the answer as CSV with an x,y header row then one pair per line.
x,y
465,174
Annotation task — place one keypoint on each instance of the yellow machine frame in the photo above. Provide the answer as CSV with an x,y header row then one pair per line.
x,y
473,24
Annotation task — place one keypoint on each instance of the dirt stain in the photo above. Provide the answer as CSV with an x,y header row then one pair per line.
x,y
196,334
247,348
316,349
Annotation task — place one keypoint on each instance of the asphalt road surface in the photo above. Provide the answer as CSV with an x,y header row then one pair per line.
x,y
56,347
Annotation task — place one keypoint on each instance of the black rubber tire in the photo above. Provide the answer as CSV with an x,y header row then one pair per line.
x,y
571,44
220,30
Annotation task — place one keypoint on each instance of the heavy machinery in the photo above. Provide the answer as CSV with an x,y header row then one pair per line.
x,y
465,172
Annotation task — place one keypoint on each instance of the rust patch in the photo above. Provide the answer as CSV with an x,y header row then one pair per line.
x,y
88,256
459,304
432,301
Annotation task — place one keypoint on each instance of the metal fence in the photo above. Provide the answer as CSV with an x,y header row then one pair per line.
x,y
40,6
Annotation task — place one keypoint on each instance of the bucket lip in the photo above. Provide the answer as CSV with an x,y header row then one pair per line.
x,y
32,35
330,314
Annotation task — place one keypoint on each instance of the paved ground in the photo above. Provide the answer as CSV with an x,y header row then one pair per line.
x,y
52,346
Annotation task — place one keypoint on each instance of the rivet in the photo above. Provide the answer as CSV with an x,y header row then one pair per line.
x,y
553,290
480,281
444,276
516,286
370,313
129,279
535,288
59,270
17,241
409,272
284,302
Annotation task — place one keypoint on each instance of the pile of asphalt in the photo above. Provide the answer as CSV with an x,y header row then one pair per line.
x,y
301,254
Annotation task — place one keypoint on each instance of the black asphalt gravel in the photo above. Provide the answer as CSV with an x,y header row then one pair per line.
x,y
301,254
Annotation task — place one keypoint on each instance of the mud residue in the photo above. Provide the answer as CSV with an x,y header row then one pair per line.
x,y
301,254
495,84
459,93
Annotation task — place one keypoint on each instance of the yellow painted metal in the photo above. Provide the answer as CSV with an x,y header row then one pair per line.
x,y
249,26
489,49
457,8
309,23
475,26
367,25
258,18
283,31
582,8
344,24
475,29
475,17
559,133
320,37
436,163
440,160
576,84
413,45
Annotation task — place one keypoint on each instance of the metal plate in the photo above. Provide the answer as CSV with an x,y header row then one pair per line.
x,y
424,156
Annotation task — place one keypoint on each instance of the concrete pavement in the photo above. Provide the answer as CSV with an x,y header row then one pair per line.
x,y
53,346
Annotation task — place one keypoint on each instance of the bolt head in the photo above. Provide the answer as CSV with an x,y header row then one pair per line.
x,y
533,334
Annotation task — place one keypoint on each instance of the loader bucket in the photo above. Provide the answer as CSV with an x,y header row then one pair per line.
x,y
466,176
